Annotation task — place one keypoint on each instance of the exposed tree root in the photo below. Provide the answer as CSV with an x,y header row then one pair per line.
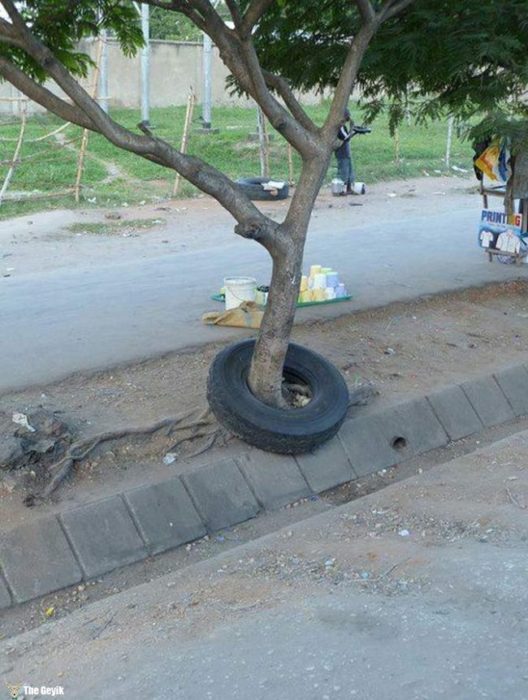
x,y
81,449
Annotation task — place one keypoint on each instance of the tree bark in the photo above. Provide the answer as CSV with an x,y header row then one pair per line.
x,y
266,371
265,376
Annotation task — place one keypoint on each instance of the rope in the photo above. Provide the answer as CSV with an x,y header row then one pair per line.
x,y
40,138
15,155
54,149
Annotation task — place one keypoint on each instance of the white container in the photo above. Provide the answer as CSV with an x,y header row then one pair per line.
x,y
338,187
359,188
238,290
319,281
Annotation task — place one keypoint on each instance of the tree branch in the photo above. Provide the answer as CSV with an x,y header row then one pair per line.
x,y
8,34
239,56
344,88
358,48
366,10
281,85
392,8
256,9
234,11
303,140
11,41
204,176
42,96
179,6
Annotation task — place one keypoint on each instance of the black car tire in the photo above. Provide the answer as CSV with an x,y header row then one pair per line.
x,y
252,186
281,430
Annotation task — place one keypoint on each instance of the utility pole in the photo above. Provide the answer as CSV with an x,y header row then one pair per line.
x,y
449,142
207,97
103,72
145,65
207,91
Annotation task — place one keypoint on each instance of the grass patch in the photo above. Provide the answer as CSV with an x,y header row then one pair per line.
x,y
109,228
112,177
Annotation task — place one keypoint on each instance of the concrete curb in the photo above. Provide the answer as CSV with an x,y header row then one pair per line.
x,y
61,550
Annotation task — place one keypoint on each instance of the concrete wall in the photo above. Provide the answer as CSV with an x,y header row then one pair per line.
x,y
174,68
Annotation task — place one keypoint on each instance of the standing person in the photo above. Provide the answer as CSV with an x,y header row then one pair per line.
x,y
345,170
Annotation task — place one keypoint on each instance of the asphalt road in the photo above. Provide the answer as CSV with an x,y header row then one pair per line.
x,y
69,320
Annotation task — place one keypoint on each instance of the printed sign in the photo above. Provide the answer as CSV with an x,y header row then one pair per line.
x,y
499,232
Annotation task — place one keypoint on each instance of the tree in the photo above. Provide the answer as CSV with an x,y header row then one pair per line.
x,y
38,40
424,57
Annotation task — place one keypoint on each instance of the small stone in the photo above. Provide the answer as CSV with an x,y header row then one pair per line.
x,y
404,533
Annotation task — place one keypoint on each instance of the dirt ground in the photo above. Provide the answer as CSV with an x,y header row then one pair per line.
x,y
401,350
57,239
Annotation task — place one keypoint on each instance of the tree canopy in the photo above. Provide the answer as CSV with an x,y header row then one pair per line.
x,y
62,24
461,58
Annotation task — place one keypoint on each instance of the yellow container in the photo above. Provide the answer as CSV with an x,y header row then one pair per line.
x,y
304,283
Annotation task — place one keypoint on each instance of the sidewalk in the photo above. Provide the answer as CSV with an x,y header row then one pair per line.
x,y
416,592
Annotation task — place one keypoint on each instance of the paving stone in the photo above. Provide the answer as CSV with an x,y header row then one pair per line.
x,y
454,411
326,467
488,401
221,495
103,536
5,597
514,383
275,479
165,515
36,559
416,423
366,445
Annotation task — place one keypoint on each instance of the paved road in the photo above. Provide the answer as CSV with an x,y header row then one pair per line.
x,y
417,592
68,320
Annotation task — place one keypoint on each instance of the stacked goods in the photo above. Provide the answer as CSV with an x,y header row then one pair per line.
x,y
322,284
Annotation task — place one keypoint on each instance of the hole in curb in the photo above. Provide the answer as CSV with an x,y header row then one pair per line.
x,y
398,443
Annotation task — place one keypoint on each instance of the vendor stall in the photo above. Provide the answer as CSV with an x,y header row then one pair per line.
x,y
503,230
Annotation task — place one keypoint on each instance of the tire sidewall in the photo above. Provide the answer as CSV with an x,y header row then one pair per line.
x,y
276,429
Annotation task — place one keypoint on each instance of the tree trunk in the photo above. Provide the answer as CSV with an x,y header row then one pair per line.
x,y
265,375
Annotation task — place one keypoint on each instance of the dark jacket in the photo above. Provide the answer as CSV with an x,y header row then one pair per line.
x,y
343,151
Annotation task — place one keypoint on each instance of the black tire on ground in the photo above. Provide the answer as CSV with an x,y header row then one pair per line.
x,y
286,431
252,186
